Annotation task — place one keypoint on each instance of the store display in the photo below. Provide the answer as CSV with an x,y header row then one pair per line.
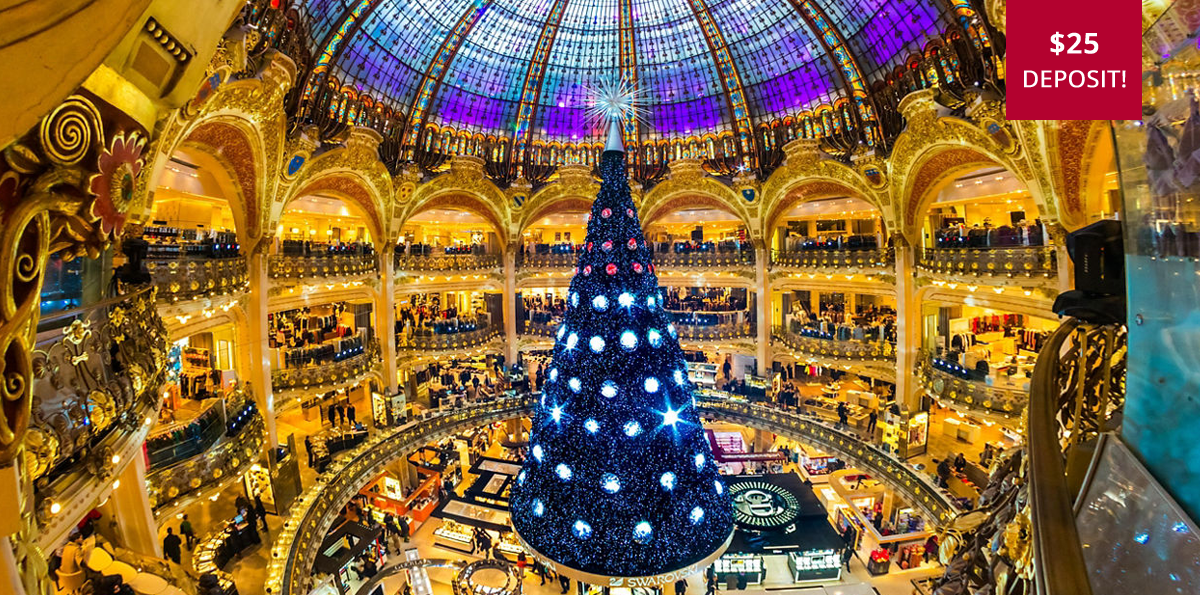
x,y
747,567
815,565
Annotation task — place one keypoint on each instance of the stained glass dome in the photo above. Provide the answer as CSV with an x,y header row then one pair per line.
x,y
520,68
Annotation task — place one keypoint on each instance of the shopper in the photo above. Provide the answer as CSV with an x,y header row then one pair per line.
x,y
522,562
333,415
341,413
402,524
261,512
843,413
189,534
960,463
308,449
565,582
350,413
540,570
171,546
943,473
872,419
931,548
681,587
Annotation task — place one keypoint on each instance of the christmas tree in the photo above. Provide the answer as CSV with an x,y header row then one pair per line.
x,y
620,480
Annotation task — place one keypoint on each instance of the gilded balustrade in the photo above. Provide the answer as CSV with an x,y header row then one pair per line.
x,y
446,262
880,261
447,341
713,259
169,487
324,267
184,279
881,351
1024,262
973,394
326,374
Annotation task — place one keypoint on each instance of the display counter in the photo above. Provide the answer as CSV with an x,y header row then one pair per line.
x,y
747,567
961,430
458,537
223,545
815,565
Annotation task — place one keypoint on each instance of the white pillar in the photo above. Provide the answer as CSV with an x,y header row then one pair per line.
x,y
762,304
908,325
385,317
510,305
129,507
259,348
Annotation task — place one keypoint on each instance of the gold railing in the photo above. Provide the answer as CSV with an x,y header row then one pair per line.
x,y
983,263
328,266
169,487
832,349
99,373
447,341
180,280
865,261
547,261
539,329
716,332
714,259
330,373
974,394
446,262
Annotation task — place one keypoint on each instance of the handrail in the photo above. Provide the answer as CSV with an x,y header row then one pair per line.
x,y
876,259
329,265
853,349
1058,552
1000,261
446,262
104,303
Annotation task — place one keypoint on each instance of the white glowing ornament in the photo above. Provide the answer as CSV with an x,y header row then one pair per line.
x,y
651,385
596,343
581,530
591,425
572,340
610,483
600,303
696,515
667,480
671,329
629,340
625,299
563,472
632,428
720,487
575,384
679,377
521,477
608,389
562,329
654,337
538,508
642,532
538,453
556,413
650,302
699,461
553,374
670,418
575,298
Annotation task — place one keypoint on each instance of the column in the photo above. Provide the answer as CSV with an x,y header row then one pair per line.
x,y
510,304
260,348
385,317
762,305
908,324
10,573
129,507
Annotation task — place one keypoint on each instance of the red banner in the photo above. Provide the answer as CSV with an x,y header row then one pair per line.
x,y
1073,60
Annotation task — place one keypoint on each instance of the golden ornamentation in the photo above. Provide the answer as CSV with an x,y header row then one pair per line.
x,y
70,132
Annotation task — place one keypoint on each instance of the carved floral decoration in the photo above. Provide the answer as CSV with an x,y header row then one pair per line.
x,y
114,185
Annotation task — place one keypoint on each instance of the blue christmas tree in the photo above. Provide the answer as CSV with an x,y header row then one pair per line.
x,y
620,480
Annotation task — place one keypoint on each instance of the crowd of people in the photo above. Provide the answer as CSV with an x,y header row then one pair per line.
x,y
422,249
425,317
544,309
310,248
867,323
956,234
705,300
800,243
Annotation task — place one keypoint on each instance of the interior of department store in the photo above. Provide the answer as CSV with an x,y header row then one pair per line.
x,y
633,297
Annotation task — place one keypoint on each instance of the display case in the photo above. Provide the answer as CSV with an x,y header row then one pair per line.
x,y
749,567
456,536
879,562
815,565
257,481
702,374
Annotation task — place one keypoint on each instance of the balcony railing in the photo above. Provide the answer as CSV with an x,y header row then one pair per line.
x,y
835,349
169,444
540,329
430,341
328,373
712,259
321,267
1017,262
547,261
715,332
861,261
946,380
95,398
171,486
184,279
446,262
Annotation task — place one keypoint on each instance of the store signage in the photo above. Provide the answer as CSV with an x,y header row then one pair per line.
x,y
760,504
1071,60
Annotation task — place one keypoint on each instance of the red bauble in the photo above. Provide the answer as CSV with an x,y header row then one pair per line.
x,y
632,244
629,212
589,246
606,213
637,267
606,246
587,270
610,268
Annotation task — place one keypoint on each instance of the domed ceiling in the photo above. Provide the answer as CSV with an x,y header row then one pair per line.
x,y
521,68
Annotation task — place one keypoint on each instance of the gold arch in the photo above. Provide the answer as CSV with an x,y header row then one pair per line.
x,y
677,192
349,187
804,190
233,143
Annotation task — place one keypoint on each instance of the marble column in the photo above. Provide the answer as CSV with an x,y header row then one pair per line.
x,y
510,305
129,507
762,305
259,348
908,325
385,317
